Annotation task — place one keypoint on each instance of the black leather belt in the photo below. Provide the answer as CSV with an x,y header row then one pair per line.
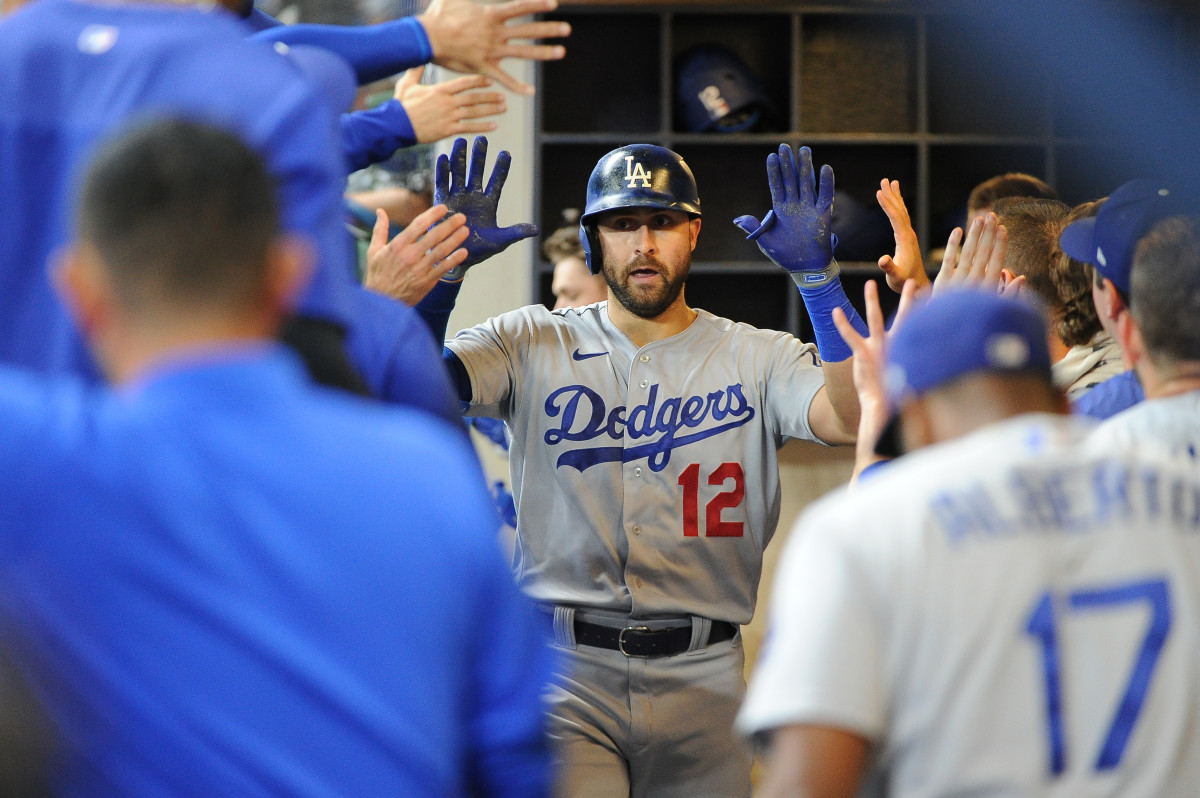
x,y
640,641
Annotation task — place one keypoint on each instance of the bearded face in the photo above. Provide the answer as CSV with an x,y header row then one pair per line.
x,y
647,255
644,286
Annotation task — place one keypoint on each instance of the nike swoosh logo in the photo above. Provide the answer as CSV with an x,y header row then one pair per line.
x,y
576,355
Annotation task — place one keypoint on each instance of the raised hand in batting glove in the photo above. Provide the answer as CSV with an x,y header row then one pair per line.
x,y
462,192
796,233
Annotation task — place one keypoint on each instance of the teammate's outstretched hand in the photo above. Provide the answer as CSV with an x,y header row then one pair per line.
x,y
980,264
409,266
869,361
468,37
907,264
462,192
796,233
452,107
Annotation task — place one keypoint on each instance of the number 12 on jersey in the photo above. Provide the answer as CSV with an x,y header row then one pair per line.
x,y
1043,626
714,525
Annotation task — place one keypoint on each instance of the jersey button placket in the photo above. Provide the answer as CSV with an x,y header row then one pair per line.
x,y
635,485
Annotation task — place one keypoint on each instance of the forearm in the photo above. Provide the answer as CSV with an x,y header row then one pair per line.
x,y
873,417
375,51
843,400
373,136
813,762
820,302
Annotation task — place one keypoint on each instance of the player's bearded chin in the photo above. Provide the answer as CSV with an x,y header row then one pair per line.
x,y
647,301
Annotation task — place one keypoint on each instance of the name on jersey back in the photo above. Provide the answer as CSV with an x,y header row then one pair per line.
x,y
1068,500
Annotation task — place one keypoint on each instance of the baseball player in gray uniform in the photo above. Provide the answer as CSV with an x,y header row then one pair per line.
x,y
1004,611
644,467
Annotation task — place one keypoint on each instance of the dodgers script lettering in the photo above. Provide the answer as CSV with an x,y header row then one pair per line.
x,y
583,416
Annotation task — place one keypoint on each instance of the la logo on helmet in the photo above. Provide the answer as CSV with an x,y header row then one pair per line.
x,y
635,172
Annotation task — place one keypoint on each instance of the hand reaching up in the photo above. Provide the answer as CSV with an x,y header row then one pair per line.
x,y
869,361
981,261
474,38
908,263
796,233
407,267
462,191
452,107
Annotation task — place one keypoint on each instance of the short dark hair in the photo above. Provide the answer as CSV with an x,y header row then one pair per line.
x,y
1164,290
564,242
1033,227
1079,322
1010,184
182,214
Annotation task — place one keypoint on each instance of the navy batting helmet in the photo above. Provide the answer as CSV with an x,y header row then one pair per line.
x,y
635,176
716,91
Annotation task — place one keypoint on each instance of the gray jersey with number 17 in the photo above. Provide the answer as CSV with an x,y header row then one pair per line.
x,y
646,479
1012,613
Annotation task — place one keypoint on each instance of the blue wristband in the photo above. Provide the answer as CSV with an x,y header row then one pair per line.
x,y
820,303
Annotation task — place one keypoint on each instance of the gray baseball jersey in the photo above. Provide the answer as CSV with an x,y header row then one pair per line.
x,y
646,480
1172,421
1012,613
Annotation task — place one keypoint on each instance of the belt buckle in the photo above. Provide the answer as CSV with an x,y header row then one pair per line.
x,y
621,640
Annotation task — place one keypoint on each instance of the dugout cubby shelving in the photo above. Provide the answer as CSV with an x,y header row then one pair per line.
x,y
913,91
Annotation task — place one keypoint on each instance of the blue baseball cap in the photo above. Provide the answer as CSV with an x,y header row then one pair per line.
x,y
956,334
1108,240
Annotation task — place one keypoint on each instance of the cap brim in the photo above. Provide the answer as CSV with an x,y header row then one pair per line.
x,y
1078,240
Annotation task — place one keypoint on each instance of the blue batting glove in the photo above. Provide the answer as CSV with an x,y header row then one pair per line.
x,y
796,234
464,193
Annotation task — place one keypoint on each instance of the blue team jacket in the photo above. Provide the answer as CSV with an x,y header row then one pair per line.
x,y
226,581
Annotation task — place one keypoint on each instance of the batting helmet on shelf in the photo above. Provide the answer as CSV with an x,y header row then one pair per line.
x,y
635,176
716,91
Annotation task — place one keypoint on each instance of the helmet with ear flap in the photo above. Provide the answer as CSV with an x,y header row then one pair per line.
x,y
589,237
635,176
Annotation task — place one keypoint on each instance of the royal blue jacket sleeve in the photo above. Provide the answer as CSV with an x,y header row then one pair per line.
x,y
513,664
435,311
371,136
374,135
375,51
393,350
298,135
436,307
